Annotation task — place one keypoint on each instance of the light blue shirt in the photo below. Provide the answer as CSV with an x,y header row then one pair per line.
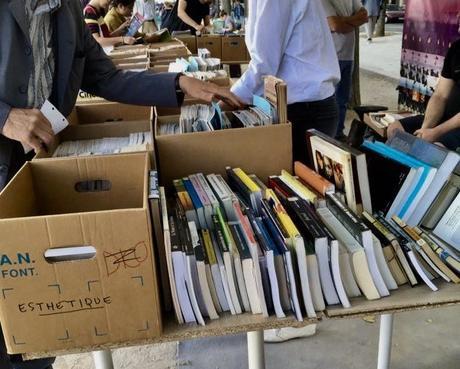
x,y
291,40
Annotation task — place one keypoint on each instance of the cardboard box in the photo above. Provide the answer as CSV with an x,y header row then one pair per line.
x,y
101,130
110,297
233,49
212,43
108,112
190,42
263,150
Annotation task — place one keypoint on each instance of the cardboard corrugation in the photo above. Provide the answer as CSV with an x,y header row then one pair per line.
x,y
121,277
264,150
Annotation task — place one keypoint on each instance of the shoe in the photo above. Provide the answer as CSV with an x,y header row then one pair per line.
x,y
289,333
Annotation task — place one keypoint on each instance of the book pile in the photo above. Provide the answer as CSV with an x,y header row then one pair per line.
x,y
203,53
139,141
296,245
205,118
208,76
196,64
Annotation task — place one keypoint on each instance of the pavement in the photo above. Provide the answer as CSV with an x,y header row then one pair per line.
x,y
425,339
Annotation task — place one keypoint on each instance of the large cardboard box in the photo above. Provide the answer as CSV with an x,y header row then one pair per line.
x,y
101,130
107,297
264,150
212,43
108,112
190,42
234,49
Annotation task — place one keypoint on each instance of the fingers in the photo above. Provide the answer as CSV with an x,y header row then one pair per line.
x,y
45,137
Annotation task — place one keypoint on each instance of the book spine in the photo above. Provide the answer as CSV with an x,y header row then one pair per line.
x,y
196,242
345,216
240,243
199,190
219,235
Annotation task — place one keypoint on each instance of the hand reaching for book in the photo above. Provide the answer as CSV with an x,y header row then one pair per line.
x,y
428,134
29,127
208,92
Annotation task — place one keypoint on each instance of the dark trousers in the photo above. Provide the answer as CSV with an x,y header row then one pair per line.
x,y
322,115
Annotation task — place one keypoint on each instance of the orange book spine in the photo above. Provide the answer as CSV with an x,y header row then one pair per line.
x,y
313,179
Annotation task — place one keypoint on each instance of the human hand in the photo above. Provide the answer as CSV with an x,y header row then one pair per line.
x,y
428,134
124,25
393,128
128,40
29,127
208,92
201,29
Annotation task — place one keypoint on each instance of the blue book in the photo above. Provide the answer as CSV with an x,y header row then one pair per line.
x,y
197,204
423,180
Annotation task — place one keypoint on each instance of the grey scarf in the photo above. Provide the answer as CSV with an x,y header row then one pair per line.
x,y
41,32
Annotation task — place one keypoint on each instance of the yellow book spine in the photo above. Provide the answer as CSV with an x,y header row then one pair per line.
x,y
298,187
208,247
249,183
283,217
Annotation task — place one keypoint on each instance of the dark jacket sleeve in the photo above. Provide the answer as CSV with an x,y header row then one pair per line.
x,y
4,112
101,78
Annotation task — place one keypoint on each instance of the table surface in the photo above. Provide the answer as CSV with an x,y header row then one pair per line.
x,y
406,298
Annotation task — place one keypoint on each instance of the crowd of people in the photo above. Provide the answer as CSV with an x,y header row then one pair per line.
x,y
51,50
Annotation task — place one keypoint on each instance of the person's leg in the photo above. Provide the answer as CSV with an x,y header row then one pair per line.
x,y
342,93
321,115
451,140
411,124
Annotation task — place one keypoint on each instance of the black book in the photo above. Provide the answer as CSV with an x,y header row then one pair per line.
x,y
240,241
219,235
386,177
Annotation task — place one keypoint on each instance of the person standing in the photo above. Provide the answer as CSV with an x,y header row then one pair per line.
x,y
48,53
146,8
302,53
373,11
237,13
344,17
190,15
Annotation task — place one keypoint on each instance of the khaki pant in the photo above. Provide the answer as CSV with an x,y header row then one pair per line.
x,y
149,27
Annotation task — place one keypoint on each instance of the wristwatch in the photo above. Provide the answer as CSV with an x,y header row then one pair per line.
x,y
179,93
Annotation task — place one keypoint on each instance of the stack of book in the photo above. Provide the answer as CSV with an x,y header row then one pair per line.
x,y
205,118
301,243
138,141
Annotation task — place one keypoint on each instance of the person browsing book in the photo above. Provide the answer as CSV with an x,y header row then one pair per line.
x,y
441,122
301,52
120,13
48,53
229,25
94,14
147,9
190,15
344,18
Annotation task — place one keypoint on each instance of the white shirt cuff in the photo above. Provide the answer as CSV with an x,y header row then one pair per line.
x,y
240,90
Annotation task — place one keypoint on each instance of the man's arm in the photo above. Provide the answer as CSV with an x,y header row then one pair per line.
x,y
101,78
267,52
348,24
207,20
437,104
182,14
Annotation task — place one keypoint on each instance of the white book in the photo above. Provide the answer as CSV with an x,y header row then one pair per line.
x,y
336,274
223,279
346,272
191,289
224,194
301,256
207,205
293,286
315,283
322,251
201,274
383,265
359,262
442,176
448,228
404,192
422,272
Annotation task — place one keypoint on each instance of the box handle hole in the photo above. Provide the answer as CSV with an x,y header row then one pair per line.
x,y
97,185
70,253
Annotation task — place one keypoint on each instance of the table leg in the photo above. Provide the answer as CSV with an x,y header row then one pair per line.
x,y
103,359
256,353
385,337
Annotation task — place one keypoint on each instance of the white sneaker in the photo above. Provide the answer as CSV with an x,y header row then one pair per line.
x,y
289,333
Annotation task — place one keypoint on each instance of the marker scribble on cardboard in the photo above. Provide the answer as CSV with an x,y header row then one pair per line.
x,y
128,258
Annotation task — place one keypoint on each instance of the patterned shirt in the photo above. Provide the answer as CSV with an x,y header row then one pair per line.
x,y
94,19
38,14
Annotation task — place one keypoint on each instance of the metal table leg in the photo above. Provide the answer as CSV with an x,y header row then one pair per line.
x,y
256,353
103,359
385,337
